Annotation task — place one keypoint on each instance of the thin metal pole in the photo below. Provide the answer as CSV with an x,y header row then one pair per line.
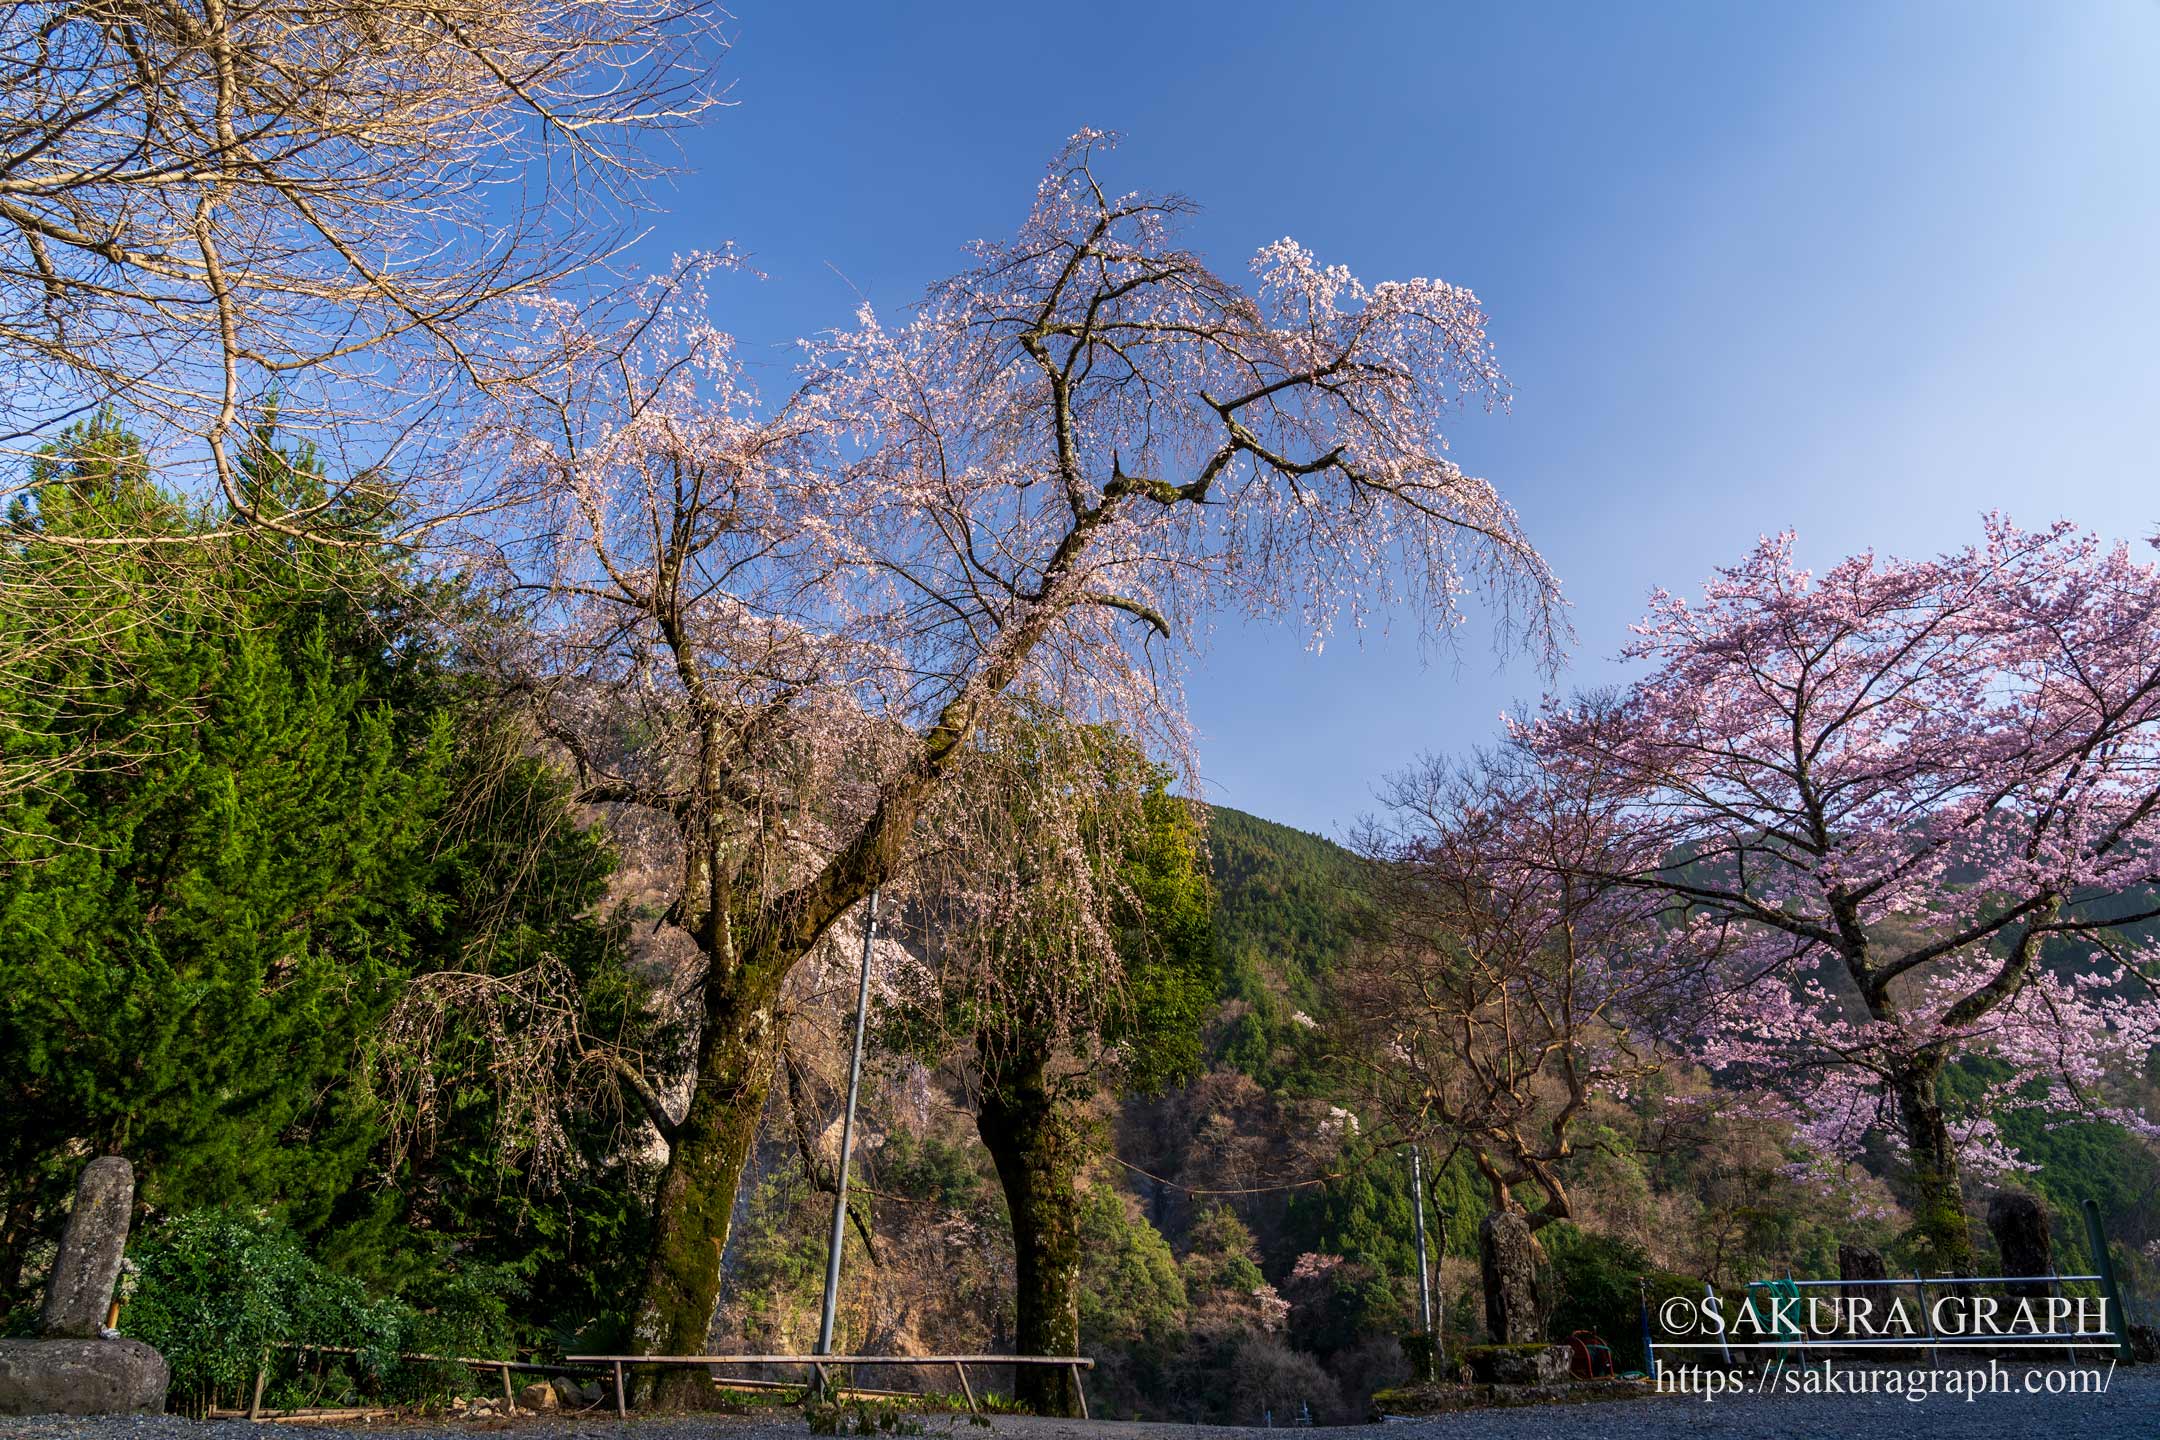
x,y
2110,1296
1424,1267
847,1139
1934,1355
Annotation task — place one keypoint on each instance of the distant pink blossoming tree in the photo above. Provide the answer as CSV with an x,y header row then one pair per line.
x,y
1912,805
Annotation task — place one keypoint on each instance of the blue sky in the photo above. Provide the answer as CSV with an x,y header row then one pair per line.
x,y
1864,271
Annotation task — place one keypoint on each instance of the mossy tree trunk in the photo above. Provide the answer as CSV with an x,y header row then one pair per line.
x,y
1938,1192
707,1152
751,941
1036,1142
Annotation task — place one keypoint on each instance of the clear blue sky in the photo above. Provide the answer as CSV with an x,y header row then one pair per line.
x,y
1864,270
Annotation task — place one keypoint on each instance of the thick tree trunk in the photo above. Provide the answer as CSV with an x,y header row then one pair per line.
x,y
1036,1144
1938,1195
706,1156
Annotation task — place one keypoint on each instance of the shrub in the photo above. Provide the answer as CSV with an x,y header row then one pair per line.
x,y
1594,1283
1270,1380
218,1292
1131,1291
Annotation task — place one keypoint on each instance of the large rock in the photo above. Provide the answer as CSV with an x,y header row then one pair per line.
x,y
2144,1344
79,1293
1509,1258
1862,1262
2019,1223
81,1377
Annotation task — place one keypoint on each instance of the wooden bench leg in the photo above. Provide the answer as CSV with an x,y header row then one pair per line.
x,y
967,1389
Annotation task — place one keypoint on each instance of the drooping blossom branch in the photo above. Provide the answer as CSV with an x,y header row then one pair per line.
x,y
779,627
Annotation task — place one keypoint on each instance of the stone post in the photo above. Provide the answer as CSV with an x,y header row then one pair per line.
x,y
1508,1255
69,1369
1862,1262
2019,1223
79,1294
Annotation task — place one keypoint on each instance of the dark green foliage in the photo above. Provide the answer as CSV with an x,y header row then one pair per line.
x,y
1167,943
223,1293
1286,906
1221,1265
925,1168
294,802
196,932
1364,1220
564,1214
1593,1281
1365,1214
1131,1291
1285,896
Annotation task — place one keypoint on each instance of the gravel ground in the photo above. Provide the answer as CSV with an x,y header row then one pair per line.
x,y
2129,1410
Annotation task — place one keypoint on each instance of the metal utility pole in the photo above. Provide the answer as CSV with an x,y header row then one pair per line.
x,y
847,1142
1424,1267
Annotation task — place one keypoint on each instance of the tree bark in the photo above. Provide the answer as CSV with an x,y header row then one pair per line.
x,y
1036,1144
707,1153
1938,1195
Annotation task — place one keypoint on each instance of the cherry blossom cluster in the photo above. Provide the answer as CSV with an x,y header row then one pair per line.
x,y
1911,808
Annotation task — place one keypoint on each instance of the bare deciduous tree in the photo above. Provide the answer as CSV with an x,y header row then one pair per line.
x,y
205,204
1507,986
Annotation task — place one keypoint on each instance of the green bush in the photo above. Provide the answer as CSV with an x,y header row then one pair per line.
x,y
1597,1284
220,1292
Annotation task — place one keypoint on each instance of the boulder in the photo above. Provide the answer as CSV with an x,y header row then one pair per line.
x,y
540,1395
1862,1262
1509,1256
1518,1364
81,1377
78,1294
2019,1223
1419,1350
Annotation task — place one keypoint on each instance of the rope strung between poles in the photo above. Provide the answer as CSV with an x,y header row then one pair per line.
x,y
1243,1190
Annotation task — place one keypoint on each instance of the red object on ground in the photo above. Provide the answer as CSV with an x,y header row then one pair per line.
x,y
1590,1357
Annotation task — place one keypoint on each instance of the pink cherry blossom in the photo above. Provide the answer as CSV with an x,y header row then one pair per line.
x,y
1912,807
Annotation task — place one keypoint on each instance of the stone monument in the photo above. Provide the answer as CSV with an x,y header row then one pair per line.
x,y
1510,1263
76,1366
2019,1223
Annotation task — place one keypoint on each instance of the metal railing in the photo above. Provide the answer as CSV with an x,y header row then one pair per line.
x,y
262,1371
818,1363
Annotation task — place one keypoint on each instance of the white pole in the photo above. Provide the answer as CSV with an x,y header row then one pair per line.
x,y
847,1139
1424,1267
